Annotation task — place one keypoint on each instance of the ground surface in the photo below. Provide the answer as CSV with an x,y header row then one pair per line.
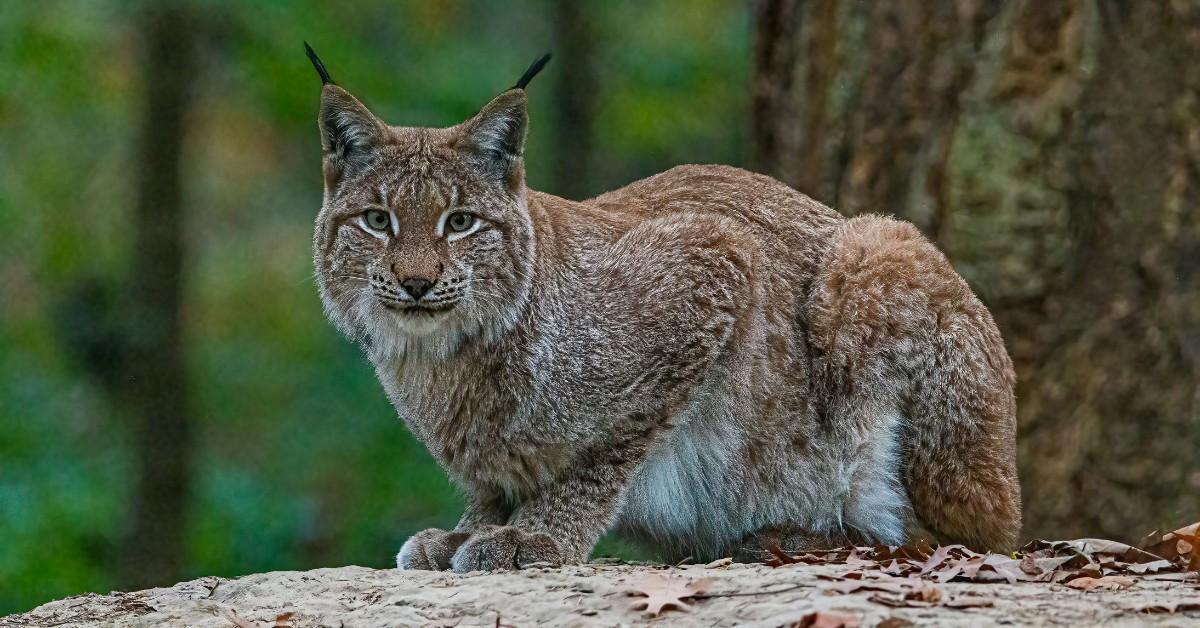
x,y
596,595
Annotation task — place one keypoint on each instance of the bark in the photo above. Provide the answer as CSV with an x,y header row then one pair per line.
x,y
1112,413
773,98
1050,148
154,378
574,99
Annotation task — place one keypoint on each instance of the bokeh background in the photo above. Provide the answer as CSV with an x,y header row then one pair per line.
x,y
173,404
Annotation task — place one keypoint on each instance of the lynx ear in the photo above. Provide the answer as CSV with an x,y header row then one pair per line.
x,y
349,131
496,135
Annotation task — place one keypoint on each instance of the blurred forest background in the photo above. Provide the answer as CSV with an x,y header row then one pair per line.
x,y
173,404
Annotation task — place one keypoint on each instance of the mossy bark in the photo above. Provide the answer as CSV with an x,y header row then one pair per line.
x,y
1052,149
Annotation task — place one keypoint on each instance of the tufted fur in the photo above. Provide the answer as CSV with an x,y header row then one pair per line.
x,y
704,360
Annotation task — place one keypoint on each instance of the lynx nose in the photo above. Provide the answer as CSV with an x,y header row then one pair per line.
x,y
416,287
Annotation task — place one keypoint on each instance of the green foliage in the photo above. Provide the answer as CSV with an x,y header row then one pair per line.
x,y
300,461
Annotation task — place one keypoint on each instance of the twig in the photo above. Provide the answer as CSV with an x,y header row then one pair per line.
x,y
705,596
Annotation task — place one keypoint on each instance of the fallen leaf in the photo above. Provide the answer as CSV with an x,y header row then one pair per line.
x,y
1175,577
1090,551
827,619
950,570
894,622
844,587
898,601
992,568
1181,546
916,596
941,554
1153,567
1111,583
718,563
778,557
1042,566
968,602
662,592
918,550
281,620
232,617
1189,604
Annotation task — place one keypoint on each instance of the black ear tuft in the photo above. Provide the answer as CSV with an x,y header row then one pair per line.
x,y
532,71
320,67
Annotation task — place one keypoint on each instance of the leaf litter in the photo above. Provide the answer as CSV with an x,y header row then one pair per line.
x,y
898,576
905,576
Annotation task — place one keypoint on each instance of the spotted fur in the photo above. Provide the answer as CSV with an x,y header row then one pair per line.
x,y
704,360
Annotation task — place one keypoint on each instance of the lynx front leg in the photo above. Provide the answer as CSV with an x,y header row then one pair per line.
x,y
562,524
432,549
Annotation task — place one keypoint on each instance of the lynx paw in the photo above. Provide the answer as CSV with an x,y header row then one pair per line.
x,y
430,550
504,547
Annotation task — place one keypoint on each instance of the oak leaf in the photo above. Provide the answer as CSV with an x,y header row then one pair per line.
x,y
1111,583
662,592
827,619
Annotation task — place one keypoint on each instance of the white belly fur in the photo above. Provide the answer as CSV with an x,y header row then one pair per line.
x,y
686,499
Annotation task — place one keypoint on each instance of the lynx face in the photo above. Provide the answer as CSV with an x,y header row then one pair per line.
x,y
424,239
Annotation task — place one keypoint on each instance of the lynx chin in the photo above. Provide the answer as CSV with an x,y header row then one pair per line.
x,y
705,361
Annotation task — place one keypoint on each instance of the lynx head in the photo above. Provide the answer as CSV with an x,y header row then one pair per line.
x,y
424,239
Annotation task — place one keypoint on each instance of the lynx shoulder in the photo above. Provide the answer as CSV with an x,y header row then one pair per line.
x,y
706,360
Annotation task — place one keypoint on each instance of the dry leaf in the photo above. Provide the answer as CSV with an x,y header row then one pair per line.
x,y
827,619
1190,604
1038,561
968,602
898,601
232,617
918,550
718,563
1090,551
1111,583
894,622
1042,566
1180,545
926,593
662,592
1154,567
1190,576
854,586
838,555
920,595
941,554
281,620
990,568
779,558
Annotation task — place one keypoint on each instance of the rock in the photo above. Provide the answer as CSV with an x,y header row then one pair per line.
x,y
586,595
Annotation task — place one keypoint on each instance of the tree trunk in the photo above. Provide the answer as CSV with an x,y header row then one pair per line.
x,y
1051,149
574,99
155,382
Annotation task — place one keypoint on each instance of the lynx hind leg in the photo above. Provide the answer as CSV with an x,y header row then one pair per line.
x,y
897,322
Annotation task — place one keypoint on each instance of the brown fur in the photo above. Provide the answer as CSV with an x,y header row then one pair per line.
x,y
702,360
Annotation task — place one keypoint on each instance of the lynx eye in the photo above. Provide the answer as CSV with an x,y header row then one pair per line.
x,y
377,219
459,222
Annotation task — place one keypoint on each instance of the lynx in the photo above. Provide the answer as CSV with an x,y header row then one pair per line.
x,y
705,361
